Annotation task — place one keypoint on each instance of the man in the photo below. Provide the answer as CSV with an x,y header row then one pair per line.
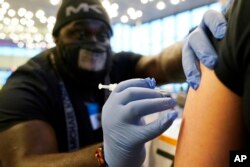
x,y
50,106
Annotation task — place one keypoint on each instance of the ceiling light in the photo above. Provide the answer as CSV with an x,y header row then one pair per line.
x,y
30,45
130,11
11,13
30,23
144,1
48,38
50,27
124,19
40,13
133,16
20,44
54,2
14,22
6,21
112,9
20,28
33,30
22,12
2,35
28,15
43,19
51,20
5,5
28,36
14,37
139,13
2,11
113,13
160,5
38,37
115,6
9,29
105,3
175,2
23,21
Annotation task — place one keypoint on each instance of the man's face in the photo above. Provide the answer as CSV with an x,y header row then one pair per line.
x,y
91,33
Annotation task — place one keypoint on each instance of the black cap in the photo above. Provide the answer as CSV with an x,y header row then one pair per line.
x,y
71,10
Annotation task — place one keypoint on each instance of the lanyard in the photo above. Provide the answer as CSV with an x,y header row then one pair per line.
x,y
70,117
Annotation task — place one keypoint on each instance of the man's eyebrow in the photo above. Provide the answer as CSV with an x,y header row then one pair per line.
x,y
82,23
88,22
78,24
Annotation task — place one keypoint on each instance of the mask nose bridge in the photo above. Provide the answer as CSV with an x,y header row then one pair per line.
x,y
93,46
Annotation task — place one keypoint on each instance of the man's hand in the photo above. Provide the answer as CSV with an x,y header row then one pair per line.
x,y
198,47
125,131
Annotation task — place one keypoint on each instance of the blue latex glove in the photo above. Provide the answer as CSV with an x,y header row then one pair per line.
x,y
197,46
125,131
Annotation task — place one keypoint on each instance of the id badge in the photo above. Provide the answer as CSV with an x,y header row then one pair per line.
x,y
94,115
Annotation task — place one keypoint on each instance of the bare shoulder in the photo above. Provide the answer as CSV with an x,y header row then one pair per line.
x,y
212,126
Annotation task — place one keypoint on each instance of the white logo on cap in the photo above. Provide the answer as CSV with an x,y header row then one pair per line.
x,y
84,7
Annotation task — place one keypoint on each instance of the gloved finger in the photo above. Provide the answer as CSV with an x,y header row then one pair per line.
x,y
138,93
138,109
154,129
146,83
190,66
202,48
215,22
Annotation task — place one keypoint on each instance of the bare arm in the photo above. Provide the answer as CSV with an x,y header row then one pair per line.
x,y
165,67
33,143
213,125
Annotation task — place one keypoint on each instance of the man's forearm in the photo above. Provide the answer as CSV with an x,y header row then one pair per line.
x,y
82,158
165,67
170,61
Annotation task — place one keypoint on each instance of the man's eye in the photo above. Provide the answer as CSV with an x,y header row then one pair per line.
x,y
102,37
81,35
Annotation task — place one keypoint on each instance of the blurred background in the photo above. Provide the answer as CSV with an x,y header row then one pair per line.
x,y
142,26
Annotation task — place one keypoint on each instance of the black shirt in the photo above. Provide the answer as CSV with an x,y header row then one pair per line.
x,y
234,61
33,92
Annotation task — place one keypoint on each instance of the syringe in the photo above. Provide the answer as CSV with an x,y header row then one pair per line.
x,y
111,87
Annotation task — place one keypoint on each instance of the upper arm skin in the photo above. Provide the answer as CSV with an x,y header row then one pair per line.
x,y
26,139
212,125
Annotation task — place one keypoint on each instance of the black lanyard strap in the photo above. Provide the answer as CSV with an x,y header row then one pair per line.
x,y
70,117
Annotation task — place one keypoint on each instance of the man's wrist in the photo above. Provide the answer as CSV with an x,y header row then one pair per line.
x,y
99,155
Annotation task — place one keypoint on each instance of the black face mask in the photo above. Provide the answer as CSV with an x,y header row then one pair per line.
x,y
67,60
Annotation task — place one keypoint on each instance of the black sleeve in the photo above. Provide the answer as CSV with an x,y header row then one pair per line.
x,y
123,66
233,63
234,58
25,96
